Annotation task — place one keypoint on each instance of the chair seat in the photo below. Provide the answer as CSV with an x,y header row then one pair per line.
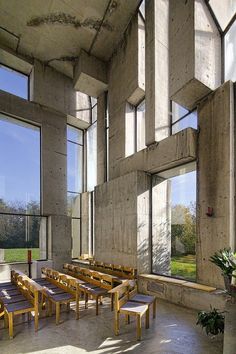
x,y
40,280
61,297
8,287
88,286
134,307
55,291
49,286
6,292
12,299
5,283
98,291
16,306
145,299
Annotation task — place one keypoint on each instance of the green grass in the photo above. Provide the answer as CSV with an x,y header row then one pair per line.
x,y
184,267
20,254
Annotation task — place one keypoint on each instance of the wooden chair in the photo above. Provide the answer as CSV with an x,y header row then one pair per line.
x,y
134,296
129,308
21,302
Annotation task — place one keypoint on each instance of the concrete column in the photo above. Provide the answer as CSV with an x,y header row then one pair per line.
x,y
101,139
216,182
86,223
161,226
157,70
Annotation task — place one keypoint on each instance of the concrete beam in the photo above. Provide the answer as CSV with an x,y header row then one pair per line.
x,y
195,52
90,75
216,181
14,61
173,151
157,71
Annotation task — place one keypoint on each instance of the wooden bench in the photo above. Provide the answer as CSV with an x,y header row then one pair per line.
x,y
58,289
96,284
19,297
123,305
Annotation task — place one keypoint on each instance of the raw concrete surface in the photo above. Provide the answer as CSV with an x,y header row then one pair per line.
x,y
172,332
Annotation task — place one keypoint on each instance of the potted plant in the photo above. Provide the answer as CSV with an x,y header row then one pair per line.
x,y
226,261
212,321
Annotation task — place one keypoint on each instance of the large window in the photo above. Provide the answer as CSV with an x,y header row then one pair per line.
x,y
75,152
13,82
21,224
181,118
174,223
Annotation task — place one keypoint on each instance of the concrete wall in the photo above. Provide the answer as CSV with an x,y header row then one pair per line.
x,y
195,52
216,185
53,175
122,221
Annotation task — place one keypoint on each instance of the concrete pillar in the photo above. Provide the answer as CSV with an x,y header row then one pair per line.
x,y
195,52
86,223
161,226
101,139
157,70
215,173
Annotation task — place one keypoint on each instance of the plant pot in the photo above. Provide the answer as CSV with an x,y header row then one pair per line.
x,y
227,280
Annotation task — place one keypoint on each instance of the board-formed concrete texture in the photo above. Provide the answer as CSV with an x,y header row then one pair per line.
x,y
216,187
122,221
195,52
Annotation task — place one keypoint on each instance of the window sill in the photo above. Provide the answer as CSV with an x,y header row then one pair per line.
x,y
179,282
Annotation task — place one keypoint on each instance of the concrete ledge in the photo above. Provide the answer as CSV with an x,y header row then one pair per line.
x,y
181,292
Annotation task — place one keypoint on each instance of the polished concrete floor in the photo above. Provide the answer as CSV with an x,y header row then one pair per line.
x,y
173,331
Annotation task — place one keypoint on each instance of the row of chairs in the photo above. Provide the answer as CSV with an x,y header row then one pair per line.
x,y
93,284
114,269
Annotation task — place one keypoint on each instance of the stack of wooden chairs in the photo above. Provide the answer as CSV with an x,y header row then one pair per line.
x,y
120,271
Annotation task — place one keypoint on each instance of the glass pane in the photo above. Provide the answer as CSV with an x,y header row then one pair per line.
x,y
20,232
93,101
82,101
19,166
142,8
92,157
75,226
94,114
74,167
177,111
73,205
188,121
223,10
174,231
141,126
230,53
129,130
75,135
13,82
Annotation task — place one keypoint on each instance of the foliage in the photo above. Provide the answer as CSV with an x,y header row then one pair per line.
x,y
225,260
212,321
20,254
184,266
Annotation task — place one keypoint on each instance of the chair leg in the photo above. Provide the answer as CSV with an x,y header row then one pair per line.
x,y
117,323
154,308
10,318
68,307
29,316
96,305
5,319
127,319
112,302
147,318
86,300
36,321
57,312
77,309
139,325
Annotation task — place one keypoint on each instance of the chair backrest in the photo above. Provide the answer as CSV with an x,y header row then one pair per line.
x,y
107,281
121,296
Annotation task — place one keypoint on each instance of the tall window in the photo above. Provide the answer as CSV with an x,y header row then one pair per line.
x,y
92,148
224,14
181,118
135,128
21,224
75,153
174,220
13,82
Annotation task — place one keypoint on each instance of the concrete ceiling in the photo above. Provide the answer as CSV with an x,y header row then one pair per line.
x,y
54,31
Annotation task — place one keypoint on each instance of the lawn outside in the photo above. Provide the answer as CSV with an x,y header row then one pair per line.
x,y
184,267
20,254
